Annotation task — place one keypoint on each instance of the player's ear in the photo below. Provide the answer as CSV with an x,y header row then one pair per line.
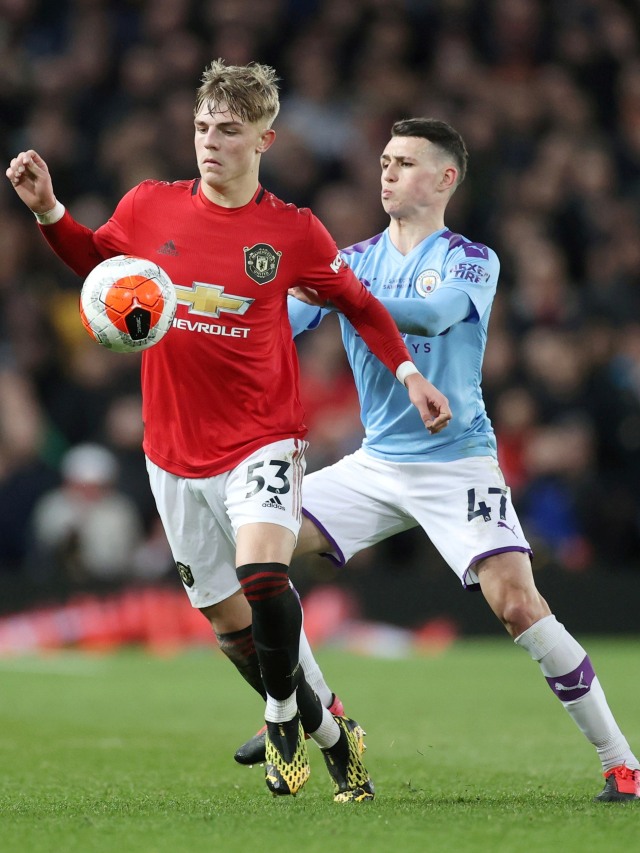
x,y
449,178
266,140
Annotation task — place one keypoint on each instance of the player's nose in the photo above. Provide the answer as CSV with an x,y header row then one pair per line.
x,y
211,139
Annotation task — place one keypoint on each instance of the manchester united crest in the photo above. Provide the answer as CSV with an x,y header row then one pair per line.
x,y
261,262
185,574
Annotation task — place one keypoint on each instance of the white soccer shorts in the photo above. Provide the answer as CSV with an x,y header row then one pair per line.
x,y
202,516
464,507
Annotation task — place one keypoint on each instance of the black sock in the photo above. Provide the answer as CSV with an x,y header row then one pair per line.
x,y
239,647
310,706
277,622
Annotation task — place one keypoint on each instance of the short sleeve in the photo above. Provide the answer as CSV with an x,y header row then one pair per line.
x,y
474,269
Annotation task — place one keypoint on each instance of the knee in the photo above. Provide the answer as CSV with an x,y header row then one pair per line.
x,y
262,581
520,611
508,586
231,614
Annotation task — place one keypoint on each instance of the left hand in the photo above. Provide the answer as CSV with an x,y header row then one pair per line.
x,y
431,403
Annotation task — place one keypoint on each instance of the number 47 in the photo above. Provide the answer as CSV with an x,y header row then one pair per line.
x,y
483,509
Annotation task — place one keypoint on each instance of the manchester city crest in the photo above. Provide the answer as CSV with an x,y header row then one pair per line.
x,y
427,281
261,262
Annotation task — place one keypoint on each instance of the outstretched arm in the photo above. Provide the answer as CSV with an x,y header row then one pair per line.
x,y
432,405
413,315
377,329
432,316
303,317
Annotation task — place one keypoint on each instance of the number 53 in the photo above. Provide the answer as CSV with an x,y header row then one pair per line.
x,y
260,482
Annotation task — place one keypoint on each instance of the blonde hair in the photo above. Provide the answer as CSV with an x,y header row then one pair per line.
x,y
248,91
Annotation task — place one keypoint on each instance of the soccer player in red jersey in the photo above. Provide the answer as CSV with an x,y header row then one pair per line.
x,y
224,427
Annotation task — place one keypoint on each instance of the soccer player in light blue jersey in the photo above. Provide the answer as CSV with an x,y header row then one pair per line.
x,y
439,288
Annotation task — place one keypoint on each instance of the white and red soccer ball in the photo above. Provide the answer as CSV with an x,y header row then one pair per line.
x,y
127,304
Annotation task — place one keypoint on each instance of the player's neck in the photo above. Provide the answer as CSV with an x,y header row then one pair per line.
x,y
231,194
406,234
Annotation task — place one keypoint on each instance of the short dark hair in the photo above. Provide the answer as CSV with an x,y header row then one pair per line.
x,y
439,133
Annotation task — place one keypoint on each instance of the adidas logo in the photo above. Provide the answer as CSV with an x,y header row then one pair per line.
x,y
168,248
275,502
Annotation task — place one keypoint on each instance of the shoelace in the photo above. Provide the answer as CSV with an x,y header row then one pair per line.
x,y
623,772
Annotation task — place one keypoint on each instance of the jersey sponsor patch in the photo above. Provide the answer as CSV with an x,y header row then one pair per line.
x,y
261,262
185,574
466,271
210,328
210,300
338,263
427,281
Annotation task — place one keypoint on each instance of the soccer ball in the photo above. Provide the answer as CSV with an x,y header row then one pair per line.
x,y
127,304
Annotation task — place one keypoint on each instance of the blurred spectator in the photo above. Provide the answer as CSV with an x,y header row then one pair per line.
x,y
122,431
25,473
86,530
316,109
515,420
562,492
557,372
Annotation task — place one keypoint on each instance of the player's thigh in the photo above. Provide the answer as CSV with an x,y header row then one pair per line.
x,y
264,502
199,534
355,503
466,510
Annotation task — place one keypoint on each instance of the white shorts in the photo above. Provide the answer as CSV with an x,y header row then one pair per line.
x,y
202,516
464,507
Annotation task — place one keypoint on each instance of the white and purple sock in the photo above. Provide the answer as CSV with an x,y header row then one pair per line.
x,y
570,674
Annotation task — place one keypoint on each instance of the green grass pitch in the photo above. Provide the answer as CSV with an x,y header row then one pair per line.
x,y
469,750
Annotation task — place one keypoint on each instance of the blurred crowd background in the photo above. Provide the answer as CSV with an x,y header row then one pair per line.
x,y
547,97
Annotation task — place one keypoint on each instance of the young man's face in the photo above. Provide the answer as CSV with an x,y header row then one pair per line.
x,y
416,175
228,149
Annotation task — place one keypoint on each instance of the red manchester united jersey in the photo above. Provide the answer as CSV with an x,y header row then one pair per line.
x,y
224,380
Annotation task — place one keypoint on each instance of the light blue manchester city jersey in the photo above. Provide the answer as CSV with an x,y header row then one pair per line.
x,y
451,360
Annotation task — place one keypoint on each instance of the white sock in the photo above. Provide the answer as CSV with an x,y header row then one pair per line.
x,y
569,673
281,710
328,733
312,672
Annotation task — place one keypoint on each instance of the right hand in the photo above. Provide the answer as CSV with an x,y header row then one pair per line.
x,y
308,295
432,405
30,178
